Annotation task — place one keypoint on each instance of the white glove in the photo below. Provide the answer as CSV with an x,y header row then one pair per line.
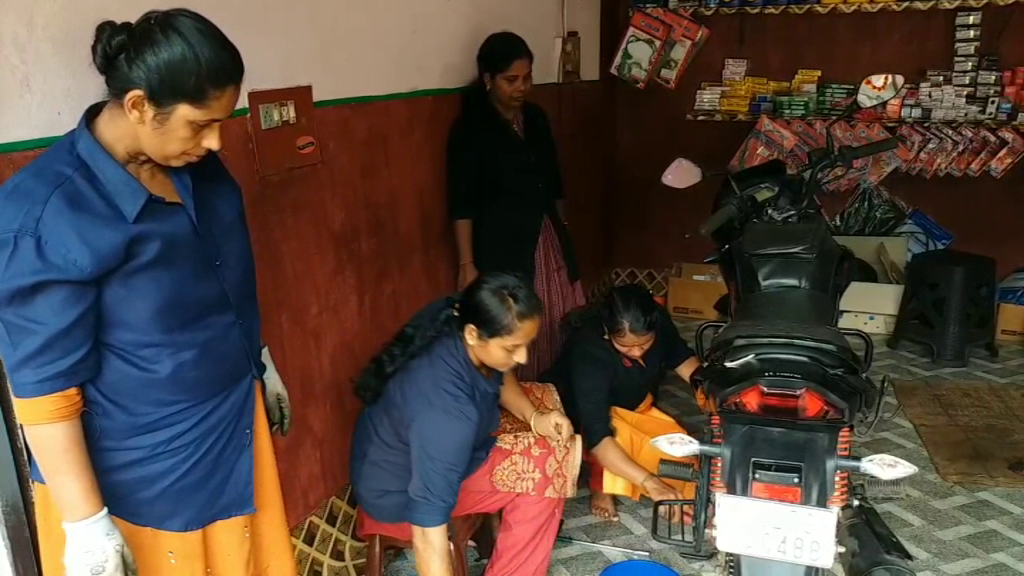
x,y
95,547
279,407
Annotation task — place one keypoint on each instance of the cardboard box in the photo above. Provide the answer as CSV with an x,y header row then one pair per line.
x,y
1010,323
872,307
694,289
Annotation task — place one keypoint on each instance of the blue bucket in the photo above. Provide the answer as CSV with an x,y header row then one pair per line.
x,y
638,568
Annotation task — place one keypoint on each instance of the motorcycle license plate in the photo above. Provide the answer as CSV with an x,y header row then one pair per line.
x,y
775,530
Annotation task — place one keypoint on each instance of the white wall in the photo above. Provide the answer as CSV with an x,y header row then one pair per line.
x,y
343,48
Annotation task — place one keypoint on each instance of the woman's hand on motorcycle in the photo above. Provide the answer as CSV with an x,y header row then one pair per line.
x,y
659,490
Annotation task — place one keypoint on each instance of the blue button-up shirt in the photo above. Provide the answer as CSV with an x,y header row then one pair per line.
x,y
429,431
150,308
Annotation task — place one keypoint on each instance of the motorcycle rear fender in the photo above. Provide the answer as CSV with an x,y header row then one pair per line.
x,y
811,446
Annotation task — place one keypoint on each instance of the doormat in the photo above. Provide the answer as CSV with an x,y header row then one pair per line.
x,y
973,431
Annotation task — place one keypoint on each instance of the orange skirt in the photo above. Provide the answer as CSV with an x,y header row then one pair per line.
x,y
633,432
254,545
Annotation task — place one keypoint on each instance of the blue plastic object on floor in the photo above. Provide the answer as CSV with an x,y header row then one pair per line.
x,y
638,568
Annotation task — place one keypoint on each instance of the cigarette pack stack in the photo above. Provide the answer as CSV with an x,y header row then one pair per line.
x,y
834,98
806,81
967,44
735,70
795,106
709,97
733,94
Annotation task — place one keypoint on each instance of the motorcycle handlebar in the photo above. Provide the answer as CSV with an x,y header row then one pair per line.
x,y
724,214
858,152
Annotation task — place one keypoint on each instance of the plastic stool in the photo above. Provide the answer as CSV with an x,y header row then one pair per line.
x,y
949,305
638,568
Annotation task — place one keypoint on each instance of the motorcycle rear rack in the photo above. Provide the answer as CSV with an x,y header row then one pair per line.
x,y
688,537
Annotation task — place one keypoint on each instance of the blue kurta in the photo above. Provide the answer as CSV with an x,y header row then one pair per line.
x,y
150,308
429,431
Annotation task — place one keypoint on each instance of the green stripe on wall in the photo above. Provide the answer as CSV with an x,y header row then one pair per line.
x,y
9,147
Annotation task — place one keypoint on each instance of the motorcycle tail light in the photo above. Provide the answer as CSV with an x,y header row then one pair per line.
x,y
800,404
777,492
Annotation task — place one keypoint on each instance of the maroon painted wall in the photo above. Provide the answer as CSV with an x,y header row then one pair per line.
x,y
347,250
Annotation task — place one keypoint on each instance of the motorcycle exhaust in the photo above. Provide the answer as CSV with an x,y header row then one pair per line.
x,y
869,548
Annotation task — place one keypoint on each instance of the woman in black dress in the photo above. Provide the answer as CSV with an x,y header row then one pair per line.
x,y
607,375
505,190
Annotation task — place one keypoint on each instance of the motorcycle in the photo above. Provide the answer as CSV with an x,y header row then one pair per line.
x,y
776,494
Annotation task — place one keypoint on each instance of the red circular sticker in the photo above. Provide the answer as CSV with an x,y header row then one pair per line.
x,y
305,144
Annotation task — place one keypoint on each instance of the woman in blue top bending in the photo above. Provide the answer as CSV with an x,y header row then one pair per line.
x,y
448,431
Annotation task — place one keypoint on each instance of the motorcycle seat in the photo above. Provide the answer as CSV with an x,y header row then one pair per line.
x,y
748,333
825,345
800,322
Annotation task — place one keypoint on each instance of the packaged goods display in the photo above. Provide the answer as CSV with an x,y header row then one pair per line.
x,y
959,121
659,44
640,49
685,39
924,150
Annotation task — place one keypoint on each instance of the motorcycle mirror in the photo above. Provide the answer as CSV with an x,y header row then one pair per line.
x,y
677,445
886,467
682,173
879,89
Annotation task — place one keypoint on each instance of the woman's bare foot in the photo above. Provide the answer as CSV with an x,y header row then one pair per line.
x,y
603,506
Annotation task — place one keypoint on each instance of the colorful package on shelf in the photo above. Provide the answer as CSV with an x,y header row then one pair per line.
x,y
769,140
843,134
812,137
1008,156
976,144
995,145
640,49
796,157
879,165
686,37
941,154
911,141
925,159
959,144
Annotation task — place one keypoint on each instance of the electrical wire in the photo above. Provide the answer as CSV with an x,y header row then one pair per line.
x,y
879,409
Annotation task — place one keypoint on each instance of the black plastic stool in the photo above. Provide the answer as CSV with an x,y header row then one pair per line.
x,y
949,305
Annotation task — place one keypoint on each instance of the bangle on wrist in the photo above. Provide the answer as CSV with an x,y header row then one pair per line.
x,y
533,418
466,263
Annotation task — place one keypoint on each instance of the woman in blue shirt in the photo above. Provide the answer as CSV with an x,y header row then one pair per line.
x,y
129,324
425,446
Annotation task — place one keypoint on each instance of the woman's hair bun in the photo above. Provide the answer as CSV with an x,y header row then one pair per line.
x,y
110,43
